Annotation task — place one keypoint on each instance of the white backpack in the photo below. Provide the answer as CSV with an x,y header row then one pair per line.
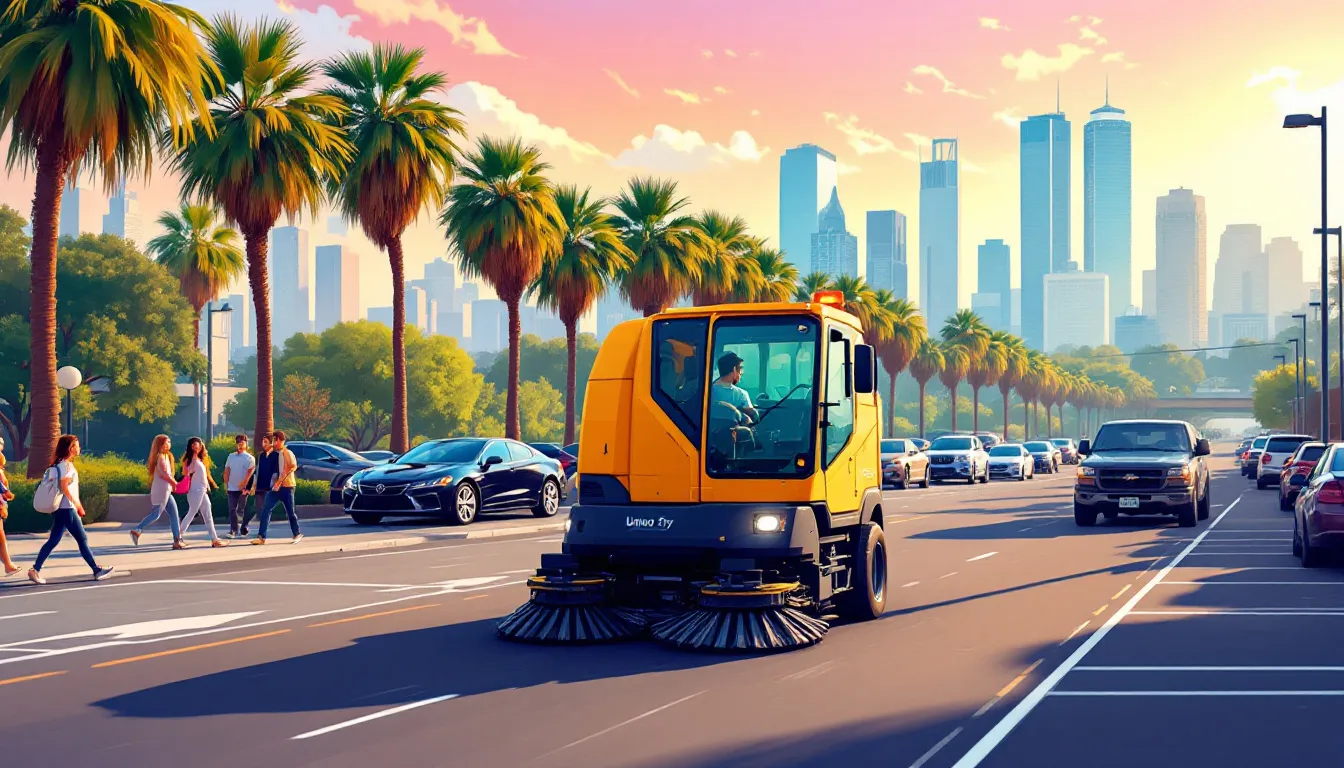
x,y
47,497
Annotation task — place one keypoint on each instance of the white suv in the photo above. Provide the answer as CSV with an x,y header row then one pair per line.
x,y
1278,448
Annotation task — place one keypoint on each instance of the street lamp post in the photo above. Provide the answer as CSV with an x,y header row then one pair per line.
x,y
210,312
69,378
1307,121
1299,415
1339,298
1302,372
1326,432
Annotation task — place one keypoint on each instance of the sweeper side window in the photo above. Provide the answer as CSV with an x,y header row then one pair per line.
x,y
679,371
762,398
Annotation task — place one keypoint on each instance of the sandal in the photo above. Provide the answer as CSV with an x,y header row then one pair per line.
x,y
11,571
219,543
179,545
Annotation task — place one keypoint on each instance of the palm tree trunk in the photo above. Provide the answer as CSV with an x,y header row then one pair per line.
x,y
1007,415
400,441
571,383
891,406
921,410
45,403
196,343
257,275
511,424
953,390
975,408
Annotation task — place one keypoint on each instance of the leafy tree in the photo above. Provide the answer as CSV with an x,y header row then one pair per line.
x,y
305,408
546,360
668,247
361,424
779,278
927,362
813,282
1173,373
724,271
487,420
1272,395
542,412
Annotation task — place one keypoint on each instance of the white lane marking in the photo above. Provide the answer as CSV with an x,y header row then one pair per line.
x,y
927,756
982,557
1254,583
26,615
144,628
291,583
946,575
1208,669
1196,693
1240,612
821,668
981,749
910,584
374,716
634,719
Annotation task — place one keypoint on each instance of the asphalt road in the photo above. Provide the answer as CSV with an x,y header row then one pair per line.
x,y
1012,638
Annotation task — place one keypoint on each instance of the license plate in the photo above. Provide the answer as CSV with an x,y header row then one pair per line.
x,y
1129,502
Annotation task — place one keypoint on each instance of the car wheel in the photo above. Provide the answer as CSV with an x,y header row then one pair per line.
x,y
1188,515
1205,505
1297,540
466,504
1311,556
868,599
366,519
549,503
926,478
1085,517
1284,506
905,479
1260,484
1022,475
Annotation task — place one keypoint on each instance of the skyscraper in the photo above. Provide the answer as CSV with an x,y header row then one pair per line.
x,y
440,283
417,308
834,251
1108,201
1044,187
1287,289
1077,311
1182,285
1150,292
337,225
80,211
290,275
337,285
807,177
994,270
939,232
489,325
1135,331
1240,281
123,215
240,336
885,241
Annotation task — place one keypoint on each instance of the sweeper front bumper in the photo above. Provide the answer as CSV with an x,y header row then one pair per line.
x,y
687,535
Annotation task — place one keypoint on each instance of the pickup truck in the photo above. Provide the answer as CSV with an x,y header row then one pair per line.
x,y
1143,467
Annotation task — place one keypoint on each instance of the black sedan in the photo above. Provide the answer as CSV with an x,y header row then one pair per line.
x,y
456,480
568,462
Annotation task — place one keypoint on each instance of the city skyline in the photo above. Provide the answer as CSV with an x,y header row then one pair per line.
x,y
1108,201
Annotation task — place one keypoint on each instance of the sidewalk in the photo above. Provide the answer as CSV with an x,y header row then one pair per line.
x,y
111,542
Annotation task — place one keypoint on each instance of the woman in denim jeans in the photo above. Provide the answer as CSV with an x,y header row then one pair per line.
x,y
66,517
160,465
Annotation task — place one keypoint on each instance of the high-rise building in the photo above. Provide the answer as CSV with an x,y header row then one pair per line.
x,y
1244,325
994,276
381,315
489,325
1072,301
337,287
81,209
417,307
1241,274
1044,188
807,176
1287,289
468,293
834,251
453,324
1134,332
338,226
1015,315
885,241
1150,292
989,308
542,323
290,274
440,283
240,320
1108,201
1182,279
939,232
123,215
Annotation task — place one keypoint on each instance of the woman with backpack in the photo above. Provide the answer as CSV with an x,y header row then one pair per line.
x,y
161,485
6,496
60,486
196,471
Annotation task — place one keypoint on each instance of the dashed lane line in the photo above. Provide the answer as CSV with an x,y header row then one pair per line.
x,y
981,557
374,716
624,723
1125,589
379,614
927,756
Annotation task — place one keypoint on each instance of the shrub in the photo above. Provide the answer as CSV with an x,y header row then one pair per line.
x,y
24,519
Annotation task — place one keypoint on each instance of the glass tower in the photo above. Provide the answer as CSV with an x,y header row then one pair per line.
x,y
1108,202
1044,183
807,177
939,233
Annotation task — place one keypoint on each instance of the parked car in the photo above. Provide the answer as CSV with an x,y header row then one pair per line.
x,y
1068,452
568,462
327,462
1011,461
378,457
572,449
1241,447
960,457
456,480
1318,518
988,439
920,443
903,464
1143,467
1294,473
1045,453
1251,456
1278,449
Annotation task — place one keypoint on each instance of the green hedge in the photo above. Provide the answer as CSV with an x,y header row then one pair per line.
x,y
24,519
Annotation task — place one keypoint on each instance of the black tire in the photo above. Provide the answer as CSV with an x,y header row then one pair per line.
x,y
1188,515
363,518
1084,517
1284,506
905,480
464,513
925,484
548,503
1312,557
1021,475
868,599
1260,484
1297,540
1204,505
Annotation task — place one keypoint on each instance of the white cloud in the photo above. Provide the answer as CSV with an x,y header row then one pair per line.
x,y
755,113
466,31
995,24
755,54
1282,74
1093,20
865,141
1291,98
719,89
686,97
1033,66
489,112
912,88
1008,117
673,150
325,32
620,81
730,53
708,54
1118,57
948,85
1089,34
845,169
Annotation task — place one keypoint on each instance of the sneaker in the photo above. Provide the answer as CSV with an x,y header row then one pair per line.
x,y
103,573
219,543
244,531
230,535
35,577
258,540
135,537
297,538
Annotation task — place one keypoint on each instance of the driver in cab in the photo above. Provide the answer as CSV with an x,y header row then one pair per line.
x,y
730,404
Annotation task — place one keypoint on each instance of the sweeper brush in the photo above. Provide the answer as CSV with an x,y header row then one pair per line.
x,y
745,616
570,610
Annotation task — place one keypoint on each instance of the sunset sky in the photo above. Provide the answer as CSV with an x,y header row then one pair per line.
x,y
710,93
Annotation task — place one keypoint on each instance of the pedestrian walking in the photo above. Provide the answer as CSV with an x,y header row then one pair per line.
x,y
196,467
268,465
282,490
68,513
160,466
238,470
6,496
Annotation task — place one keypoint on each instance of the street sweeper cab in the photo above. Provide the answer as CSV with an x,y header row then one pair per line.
x,y
730,494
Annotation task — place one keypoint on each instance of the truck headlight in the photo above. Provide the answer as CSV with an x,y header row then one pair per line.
x,y
1087,472
1181,473
767,523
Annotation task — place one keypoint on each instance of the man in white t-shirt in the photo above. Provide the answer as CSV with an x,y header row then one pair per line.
x,y
238,469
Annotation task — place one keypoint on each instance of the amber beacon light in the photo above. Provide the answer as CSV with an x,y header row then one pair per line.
x,y
833,298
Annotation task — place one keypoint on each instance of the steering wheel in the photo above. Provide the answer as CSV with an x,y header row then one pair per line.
x,y
781,401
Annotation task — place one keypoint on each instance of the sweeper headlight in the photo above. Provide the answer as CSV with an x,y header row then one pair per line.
x,y
767,523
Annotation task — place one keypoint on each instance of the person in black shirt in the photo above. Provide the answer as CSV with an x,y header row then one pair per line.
x,y
268,466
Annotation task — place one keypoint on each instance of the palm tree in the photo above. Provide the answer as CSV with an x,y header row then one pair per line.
x,y
816,281
591,256
505,222
202,252
926,363
274,149
862,302
779,278
965,339
985,372
906,335
667,246
725,242
1015,367
1028,386
88,85
403,164
956,363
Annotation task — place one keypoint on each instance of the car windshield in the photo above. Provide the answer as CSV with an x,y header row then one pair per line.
x,y
893,446
951,444
1173,438
1284,444
1311,453
1259,442
1006,450
345,455
1039,447
1061,442
444,452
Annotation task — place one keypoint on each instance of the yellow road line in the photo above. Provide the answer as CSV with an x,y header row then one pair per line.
x,y
26,678
475,597
1017,680
1101,610
1117,595
373,615
188,649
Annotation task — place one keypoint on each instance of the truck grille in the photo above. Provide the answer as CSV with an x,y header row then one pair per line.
x,y
1131,479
